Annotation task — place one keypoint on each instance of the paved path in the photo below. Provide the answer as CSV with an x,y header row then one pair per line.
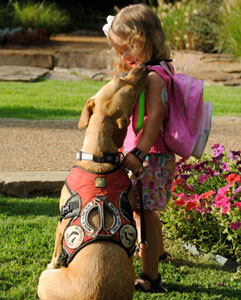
x,y
36,156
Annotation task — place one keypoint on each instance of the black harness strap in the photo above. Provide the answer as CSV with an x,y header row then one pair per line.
x,y
154,62
143,243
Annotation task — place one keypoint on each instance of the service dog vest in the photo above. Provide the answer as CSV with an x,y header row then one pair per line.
x,y
89,191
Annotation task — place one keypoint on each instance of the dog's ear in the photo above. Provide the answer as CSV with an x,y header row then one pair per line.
x,y
120,131
86,113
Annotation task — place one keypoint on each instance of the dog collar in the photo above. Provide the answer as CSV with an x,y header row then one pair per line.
x,y
112,158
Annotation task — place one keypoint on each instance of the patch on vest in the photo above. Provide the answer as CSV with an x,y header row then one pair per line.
x,y
100,182
74,236
128,235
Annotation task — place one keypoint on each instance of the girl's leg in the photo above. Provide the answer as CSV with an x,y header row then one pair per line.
x,y
163,255
150,255
159,225
161,246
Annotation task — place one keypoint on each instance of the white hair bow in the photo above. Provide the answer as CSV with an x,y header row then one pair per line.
x,y
106,27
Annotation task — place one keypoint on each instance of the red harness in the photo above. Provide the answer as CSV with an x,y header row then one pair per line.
x,y
107,191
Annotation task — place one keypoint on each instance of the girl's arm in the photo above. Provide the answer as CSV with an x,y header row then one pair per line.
x,y
153,123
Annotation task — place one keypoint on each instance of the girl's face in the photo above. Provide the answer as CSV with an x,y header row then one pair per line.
x,y
126,51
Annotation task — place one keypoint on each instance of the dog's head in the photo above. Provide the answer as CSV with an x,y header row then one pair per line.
x,y
110,109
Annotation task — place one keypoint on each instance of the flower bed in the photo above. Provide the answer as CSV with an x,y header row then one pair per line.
x,y
205,208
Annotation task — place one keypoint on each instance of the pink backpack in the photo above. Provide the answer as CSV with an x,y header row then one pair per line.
x,y
189,118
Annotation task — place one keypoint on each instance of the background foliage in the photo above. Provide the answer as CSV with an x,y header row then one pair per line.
x,y
208,26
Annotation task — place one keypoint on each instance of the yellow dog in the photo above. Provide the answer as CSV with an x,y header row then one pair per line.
x,y
103,268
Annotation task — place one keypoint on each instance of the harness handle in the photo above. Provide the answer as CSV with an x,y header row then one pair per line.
x,y
143,243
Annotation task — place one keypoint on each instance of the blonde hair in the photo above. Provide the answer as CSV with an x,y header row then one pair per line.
x,y
143,31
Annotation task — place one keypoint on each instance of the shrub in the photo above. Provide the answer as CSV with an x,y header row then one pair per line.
x,y
229,38
205,208
5,16
40,15
208,26
190,25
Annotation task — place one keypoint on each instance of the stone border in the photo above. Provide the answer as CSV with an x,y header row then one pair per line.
x,y
32,183
220,260
32,74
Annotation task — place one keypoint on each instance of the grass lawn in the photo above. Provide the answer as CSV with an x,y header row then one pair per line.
x,y
47,99
51,99
226,100
27,231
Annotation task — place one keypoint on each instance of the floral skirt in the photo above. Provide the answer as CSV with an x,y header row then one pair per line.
x,y
156,180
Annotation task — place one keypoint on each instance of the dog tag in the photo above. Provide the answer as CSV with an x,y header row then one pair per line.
x,y
100,182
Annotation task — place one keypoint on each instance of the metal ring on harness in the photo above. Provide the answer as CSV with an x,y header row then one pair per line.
x,y
141,247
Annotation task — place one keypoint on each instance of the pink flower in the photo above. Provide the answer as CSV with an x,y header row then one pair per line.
x,y
237,204
183,196
188,187
191,205
203,178
235,226
226,208
223,190
234,155
218,150
180,202
232,178
207,194
202,208
221,199
237,190
178,181
224,167
223,202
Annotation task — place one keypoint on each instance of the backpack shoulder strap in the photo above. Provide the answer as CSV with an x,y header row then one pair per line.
x,y
163,70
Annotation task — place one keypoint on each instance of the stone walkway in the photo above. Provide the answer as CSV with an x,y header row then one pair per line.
x,y
74,57
44,152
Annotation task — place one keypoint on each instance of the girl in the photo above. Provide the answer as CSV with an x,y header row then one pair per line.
x,y
137,36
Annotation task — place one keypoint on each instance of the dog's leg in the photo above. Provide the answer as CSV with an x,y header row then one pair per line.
x,y
55,262
100,271
55,285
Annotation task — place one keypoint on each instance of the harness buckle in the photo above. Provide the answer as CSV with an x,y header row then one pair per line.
x,y
65,209
72,207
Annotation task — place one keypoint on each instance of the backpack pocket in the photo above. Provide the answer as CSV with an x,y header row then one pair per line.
x,y
205,128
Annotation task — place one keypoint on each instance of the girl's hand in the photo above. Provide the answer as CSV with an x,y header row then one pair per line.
x,y
133,163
